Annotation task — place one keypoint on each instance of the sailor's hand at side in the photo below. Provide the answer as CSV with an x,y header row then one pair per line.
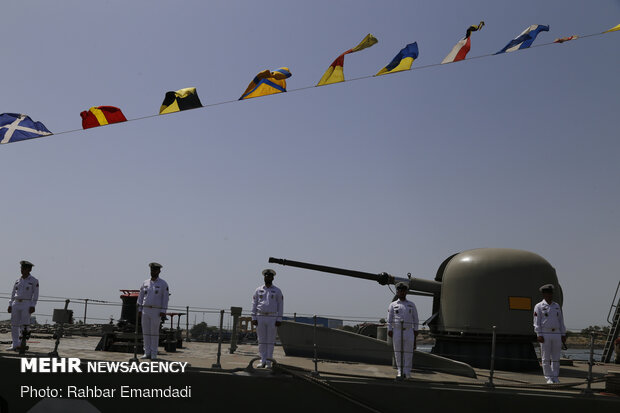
x,y
254,322
278,323
564,339
31,310
390,333
540,339
8,310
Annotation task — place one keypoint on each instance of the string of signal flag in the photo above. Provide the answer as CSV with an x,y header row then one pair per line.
x,y
19,127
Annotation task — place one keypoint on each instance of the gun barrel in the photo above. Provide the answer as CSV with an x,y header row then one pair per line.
x,y
324,268
430,287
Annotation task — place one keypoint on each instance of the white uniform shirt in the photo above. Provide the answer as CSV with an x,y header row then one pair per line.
x,y
402,311
548,318
154,294
25,290
268,301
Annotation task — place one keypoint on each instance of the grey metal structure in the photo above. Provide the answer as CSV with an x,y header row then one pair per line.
x,y
333,344
236,313
473,291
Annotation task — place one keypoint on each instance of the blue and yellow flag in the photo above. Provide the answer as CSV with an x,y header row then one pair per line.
x,y
267,83
403,60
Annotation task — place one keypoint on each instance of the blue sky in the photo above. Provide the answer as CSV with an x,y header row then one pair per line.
x,y
392,174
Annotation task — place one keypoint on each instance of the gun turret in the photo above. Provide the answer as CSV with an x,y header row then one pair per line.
x,y
417,286
476,293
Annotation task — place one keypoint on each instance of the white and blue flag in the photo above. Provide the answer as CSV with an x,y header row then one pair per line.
x,y
525,39
15,127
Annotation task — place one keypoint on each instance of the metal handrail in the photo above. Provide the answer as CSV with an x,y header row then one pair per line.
x,y
613,329
612,303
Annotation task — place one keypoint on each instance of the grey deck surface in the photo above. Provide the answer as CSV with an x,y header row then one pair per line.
x,y
204,355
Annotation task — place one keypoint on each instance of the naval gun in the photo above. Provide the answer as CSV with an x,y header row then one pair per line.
x,y
476,293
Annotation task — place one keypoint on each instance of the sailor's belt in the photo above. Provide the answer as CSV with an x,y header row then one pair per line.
x,y
266,313
21,300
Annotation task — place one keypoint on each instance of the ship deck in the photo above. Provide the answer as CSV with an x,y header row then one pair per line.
x,y
202,355
346,387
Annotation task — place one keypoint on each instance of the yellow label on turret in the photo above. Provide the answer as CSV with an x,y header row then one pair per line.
x,y
520,303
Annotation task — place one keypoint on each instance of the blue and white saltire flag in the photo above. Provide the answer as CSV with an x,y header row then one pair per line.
x,y
525,39
15,127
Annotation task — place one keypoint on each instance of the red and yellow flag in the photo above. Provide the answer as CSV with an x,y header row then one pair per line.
x,y
101,115
335,72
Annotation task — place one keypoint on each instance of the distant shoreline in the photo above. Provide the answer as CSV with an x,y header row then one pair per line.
x,y
584,342
576,342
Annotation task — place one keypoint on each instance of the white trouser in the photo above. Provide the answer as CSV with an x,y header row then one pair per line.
x,y
550,355
150,330
266,331
20,319
403,350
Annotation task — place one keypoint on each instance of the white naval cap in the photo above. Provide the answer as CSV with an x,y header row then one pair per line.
x,y
269,271
26,263
155,265
402,286
547,288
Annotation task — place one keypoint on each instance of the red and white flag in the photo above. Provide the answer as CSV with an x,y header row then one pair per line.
x,y
565,39
460,50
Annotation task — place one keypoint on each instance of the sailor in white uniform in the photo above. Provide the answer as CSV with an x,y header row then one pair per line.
x,y
402,324
24,298
267,311
152,304
550,332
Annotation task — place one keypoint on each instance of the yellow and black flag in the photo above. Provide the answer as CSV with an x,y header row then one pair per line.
x,y
182,99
